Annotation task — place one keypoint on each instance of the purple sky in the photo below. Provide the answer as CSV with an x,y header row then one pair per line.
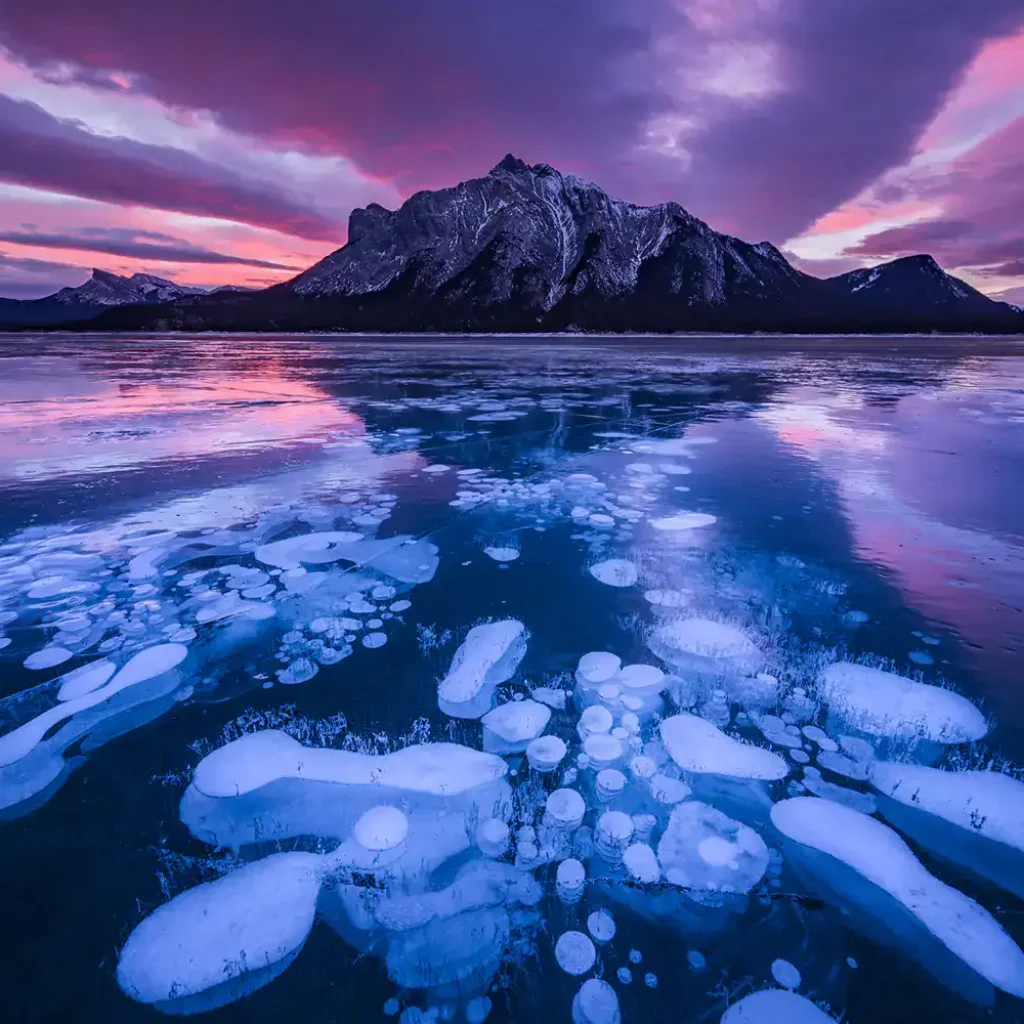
x,y
227,140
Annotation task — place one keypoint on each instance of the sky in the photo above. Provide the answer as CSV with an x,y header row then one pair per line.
x,y
227,141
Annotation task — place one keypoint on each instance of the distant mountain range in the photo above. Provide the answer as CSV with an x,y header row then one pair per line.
x,y
101,293
527,249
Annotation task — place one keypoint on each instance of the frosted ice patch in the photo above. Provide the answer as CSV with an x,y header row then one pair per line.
x,y
615,572
311,548
881,857
667,598
575,953
888,705
698,746
775,1006
684,521
489,655
704,849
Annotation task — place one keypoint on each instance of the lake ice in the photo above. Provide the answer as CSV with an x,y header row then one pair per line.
x,y
363,680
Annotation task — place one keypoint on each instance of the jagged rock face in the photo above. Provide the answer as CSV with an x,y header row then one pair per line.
x,y
533,237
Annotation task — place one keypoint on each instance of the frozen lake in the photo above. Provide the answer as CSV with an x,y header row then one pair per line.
x,y
512,680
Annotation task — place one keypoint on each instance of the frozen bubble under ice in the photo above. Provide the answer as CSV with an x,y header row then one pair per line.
x,y
575,953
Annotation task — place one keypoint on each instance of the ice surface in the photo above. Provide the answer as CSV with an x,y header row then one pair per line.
x,y
215,936
884,704
260,758
510,727
775,1006
703,849
698,746
310,548
706,645
974,819
878,855
615,572
490,655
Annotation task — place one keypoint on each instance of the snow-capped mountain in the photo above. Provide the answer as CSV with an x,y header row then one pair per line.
x,y
525,248
102,291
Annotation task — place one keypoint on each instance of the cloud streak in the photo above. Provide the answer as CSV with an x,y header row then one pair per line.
x,y
123,244
41,151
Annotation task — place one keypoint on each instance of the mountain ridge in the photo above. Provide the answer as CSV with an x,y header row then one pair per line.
x,y
526,249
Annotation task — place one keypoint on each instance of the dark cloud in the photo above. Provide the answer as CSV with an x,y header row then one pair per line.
x,y
42,151
982,197
428,93
860,81
32,266
121,242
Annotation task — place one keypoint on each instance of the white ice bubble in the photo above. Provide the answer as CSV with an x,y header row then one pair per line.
x,y
642,863
312,548
615,572
698,746
381,828
251,919
85,679
596,1003
785,974
489,655
47,657
706,645
500,554
879,856
400,606
974,819
601,926
565,808
775,1006
888,705
545,753
575,953
684,521
375,640
510,727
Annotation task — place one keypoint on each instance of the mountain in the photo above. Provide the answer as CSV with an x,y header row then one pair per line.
x,y
912,287
101,292
525,248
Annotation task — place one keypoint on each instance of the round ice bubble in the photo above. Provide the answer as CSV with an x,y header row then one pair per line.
x,y
602,749
642,863
596,1003
381,828
492,837
595,719
785,974
615,572
597,667
610,783
575,953
601,926
545,753
566,807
